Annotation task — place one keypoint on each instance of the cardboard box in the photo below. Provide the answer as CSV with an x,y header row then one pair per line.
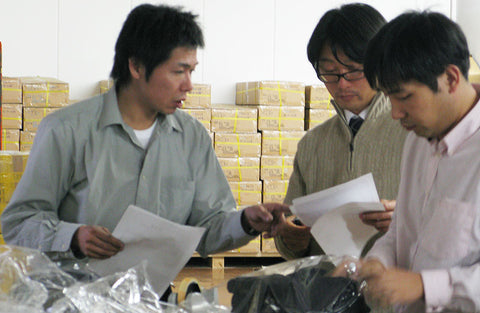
x,y
274,190
268,245
199,97
281,118
238,145
474,72
314,117
202,115
234,119
105,85
11,90
241,169
277,93
33,116
247,193
11,116
280,143
10,140
26,140
276,167
12,165
44,92
318,97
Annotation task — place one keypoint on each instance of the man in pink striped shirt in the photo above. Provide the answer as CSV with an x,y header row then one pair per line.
x,y
429,260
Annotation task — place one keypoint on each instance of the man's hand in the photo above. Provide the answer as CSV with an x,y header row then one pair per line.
x,y
263,217
96,242
380,219
386,287
295,235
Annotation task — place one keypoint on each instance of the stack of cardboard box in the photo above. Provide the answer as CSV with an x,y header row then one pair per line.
x,y
26,101
318,106
12,165
281,122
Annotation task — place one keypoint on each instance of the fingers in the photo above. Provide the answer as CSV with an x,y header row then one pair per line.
x,y
370,269
379,219
389,204
97,242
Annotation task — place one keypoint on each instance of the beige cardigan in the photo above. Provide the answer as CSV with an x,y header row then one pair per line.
x,y
327,156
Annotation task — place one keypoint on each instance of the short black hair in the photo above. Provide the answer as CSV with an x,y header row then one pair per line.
x,y
348,28
415,46
149,35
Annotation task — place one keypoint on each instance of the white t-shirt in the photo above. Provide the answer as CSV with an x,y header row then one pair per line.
x,y
144,135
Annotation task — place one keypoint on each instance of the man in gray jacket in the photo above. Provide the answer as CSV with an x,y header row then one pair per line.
x,y
361,138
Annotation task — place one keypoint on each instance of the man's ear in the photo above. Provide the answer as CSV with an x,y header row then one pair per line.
x,y
454,76
136,68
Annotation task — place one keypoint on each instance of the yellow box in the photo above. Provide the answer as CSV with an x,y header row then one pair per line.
x,y
234,119
241,169
26,140
474,71
11,90
11,115
279,143
202,115
12,165
2,241
44,92
33,116
105,85
199,97
281,118
238,145
278,93
317,97
268,245
276,167
247,193
314,117
274,190
10,140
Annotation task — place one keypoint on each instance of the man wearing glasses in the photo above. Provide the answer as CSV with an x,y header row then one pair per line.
x,y
361,138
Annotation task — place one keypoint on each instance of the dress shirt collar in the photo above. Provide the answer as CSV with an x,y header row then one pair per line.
x,y
467,126
111,114
363,114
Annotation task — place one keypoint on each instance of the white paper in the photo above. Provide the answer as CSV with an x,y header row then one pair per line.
x,y
333,215
167,246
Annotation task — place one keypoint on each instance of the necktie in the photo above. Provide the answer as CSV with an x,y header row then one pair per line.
x,y
355,123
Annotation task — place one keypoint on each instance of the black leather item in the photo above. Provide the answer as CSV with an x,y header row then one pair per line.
x,y
306,290
355,123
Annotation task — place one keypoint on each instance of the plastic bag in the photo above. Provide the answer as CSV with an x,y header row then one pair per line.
x,y
297,286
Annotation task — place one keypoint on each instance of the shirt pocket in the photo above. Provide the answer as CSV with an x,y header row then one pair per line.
x,y
176,197
448,233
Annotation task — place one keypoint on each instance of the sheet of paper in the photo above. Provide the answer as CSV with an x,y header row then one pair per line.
x,y
341,232
310,207
167,246
333,215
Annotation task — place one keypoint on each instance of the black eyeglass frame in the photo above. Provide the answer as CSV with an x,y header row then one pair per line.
x,y
336,77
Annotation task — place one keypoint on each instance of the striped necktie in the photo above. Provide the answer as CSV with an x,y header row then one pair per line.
x,y
355,123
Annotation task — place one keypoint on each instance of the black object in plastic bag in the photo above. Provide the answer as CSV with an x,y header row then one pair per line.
x,y
305,290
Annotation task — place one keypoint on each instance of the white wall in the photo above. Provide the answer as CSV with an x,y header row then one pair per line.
x,y
246,40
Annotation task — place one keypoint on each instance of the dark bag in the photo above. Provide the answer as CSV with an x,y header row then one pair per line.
x,y
306,290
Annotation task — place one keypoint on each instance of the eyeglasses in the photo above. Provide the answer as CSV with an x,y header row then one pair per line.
x,y
335,78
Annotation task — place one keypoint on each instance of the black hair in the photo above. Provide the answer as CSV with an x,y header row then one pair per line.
x,y
348,28
415,46
149,35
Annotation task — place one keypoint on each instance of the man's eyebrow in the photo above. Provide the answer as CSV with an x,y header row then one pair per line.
x,y
186,65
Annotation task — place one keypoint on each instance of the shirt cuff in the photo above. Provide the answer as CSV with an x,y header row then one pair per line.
x,y
437,289
63,236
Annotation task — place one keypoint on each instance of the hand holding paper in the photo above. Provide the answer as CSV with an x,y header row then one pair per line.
x,y
333,215
166,245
